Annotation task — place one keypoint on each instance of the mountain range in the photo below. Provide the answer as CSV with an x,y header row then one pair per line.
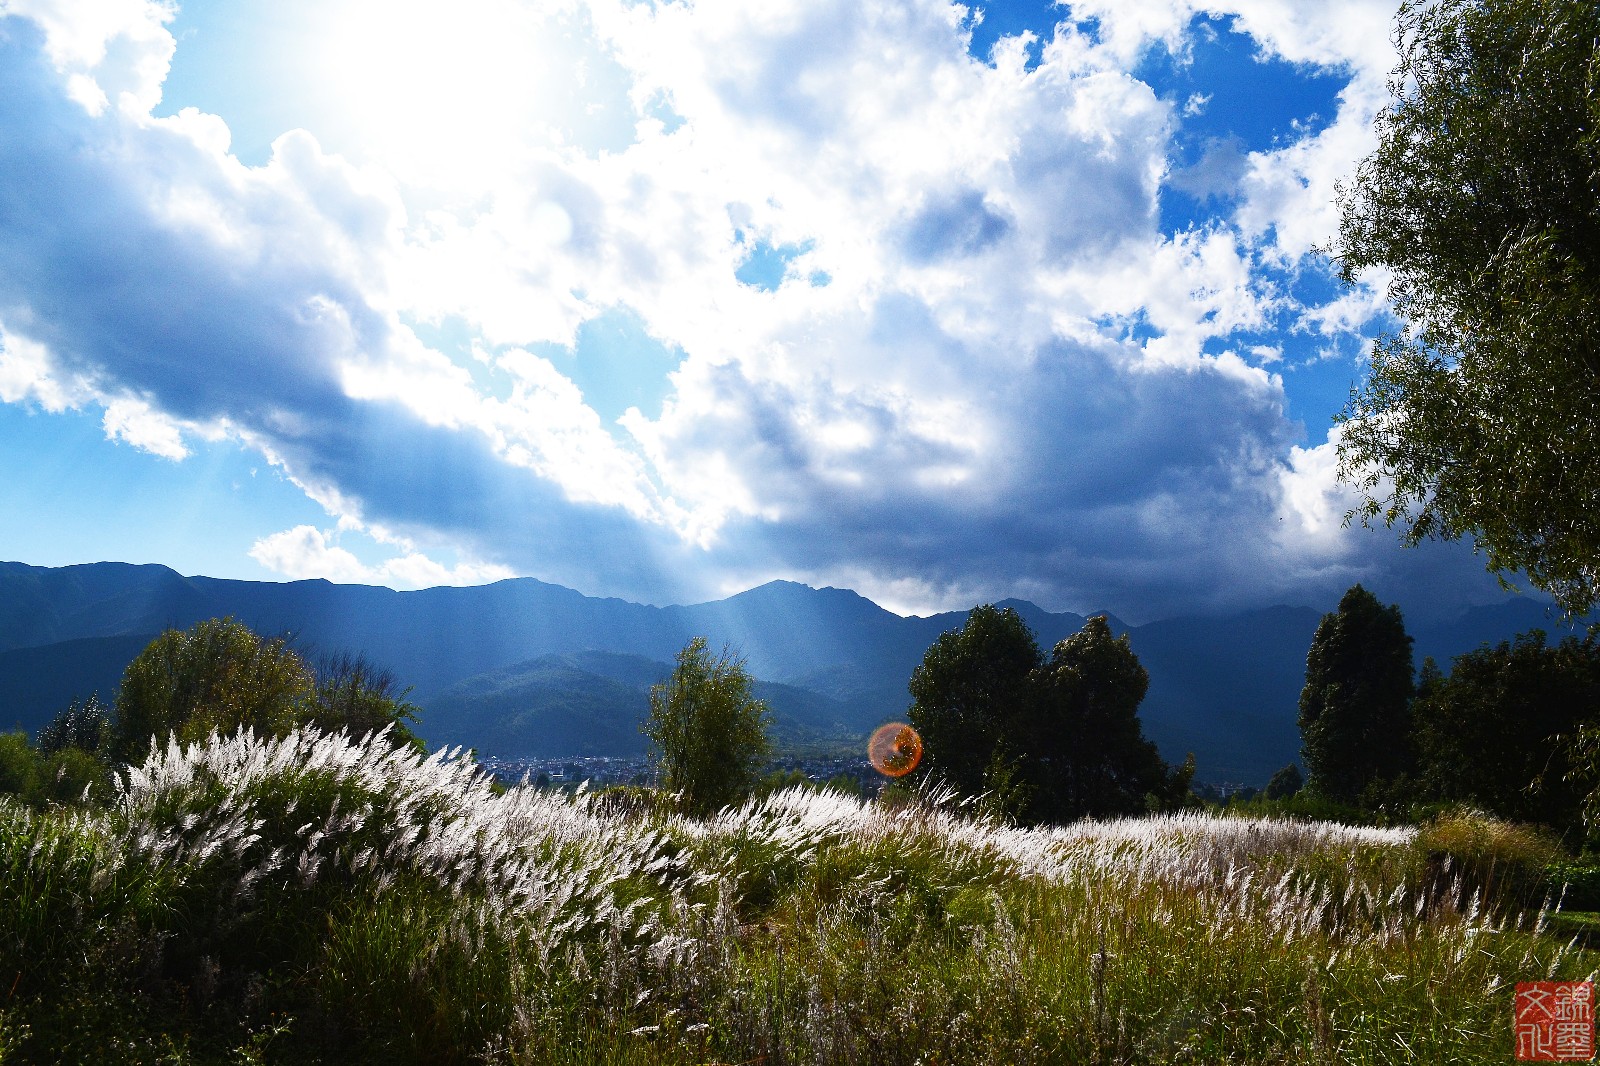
x,y
526,668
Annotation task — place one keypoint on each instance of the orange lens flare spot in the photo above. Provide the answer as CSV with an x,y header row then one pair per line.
x,y
895,749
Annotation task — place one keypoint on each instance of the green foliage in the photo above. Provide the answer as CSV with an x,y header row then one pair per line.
x,y
1490,734
60,778
219,676
1284,783
1354,723
216,676
778,780
1574,882
1045,741
709,728
1482,416
1309,806
71,776
19,765
969,696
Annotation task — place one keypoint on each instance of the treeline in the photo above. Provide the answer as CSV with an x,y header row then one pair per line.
x,y
1511,729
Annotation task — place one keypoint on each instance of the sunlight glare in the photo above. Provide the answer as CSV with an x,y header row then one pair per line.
x,y
440,95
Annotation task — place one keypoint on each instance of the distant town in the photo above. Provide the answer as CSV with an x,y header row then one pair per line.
x,y
853,774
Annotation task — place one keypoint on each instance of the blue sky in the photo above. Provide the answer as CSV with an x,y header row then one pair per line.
x,y
664,300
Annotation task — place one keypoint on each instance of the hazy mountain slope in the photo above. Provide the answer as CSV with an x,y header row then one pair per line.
x,y
1227,689
547,707
592,703
38,683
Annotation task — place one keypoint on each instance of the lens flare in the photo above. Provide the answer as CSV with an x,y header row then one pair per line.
x,y
895,749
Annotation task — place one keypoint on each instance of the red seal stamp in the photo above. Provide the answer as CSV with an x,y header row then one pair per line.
x,y
1555,1021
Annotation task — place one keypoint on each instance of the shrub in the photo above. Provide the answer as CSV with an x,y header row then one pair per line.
x,y
1467,852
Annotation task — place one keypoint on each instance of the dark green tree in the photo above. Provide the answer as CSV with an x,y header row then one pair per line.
x,y
1481,416
1354,721
1047,741
709,729
970,697
1085,752
85,725
1490,734
1285,783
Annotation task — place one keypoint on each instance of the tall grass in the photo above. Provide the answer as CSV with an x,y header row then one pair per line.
x,y
319,898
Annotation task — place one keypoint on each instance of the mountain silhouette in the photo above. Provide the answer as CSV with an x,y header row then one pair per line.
x,y
524,667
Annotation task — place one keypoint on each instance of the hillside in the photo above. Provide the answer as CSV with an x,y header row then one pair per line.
x,y
593,703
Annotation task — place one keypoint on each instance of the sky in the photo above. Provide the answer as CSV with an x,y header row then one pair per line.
x,y
663,300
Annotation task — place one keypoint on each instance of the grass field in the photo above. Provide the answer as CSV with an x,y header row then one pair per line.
x,y
314,899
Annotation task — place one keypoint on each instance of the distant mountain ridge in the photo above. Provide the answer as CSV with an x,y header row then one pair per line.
x,y
1225,688
592,703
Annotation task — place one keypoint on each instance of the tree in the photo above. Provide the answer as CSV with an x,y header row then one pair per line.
x,y
1354,724
968,696
1085,753
1490,733
1048,741
85,725
360,697
1481,416
219,675
710,729
1285,783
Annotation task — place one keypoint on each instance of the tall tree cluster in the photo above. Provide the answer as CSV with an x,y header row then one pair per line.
x,y
1512,729
1047,740
1497,731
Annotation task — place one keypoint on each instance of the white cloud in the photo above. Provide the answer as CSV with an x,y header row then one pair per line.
x,y
304,552
106,49
1314,501
307,552
28,376
986,366
137,423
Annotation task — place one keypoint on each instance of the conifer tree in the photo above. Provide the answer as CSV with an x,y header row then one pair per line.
x,y
1354,709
